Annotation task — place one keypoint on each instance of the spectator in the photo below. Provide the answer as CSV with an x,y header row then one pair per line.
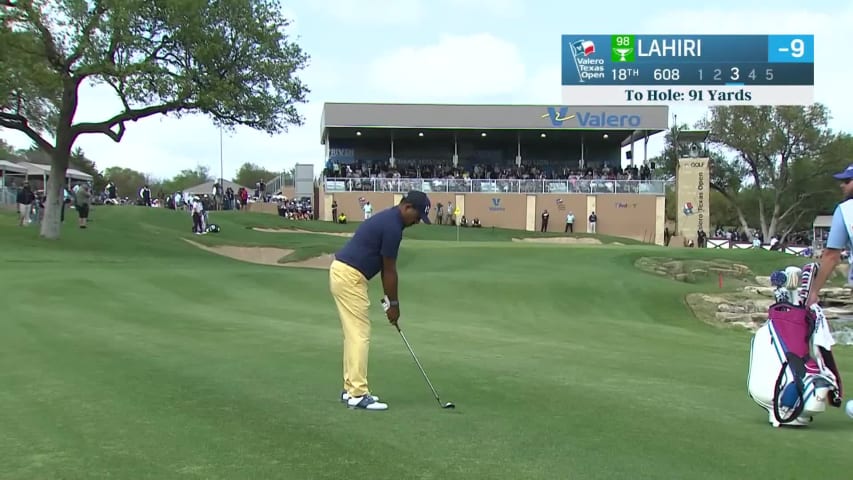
x,y
82,200
25,200
570,222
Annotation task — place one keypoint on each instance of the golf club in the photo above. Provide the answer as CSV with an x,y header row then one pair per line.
x,y
445,405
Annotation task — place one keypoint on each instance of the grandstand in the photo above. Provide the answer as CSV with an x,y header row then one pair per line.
x,y
503,164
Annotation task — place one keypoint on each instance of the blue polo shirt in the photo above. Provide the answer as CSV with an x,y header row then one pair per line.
x,y
378,236
839,237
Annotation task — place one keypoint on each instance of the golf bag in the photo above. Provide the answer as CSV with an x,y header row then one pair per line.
x,y
792,372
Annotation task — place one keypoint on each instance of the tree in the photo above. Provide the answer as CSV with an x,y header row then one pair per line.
x,y
7,152
824,189
249,174
775,149
228,59
79,161
127,181
667,162
188,178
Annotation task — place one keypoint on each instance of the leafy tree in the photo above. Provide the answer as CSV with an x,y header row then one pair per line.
x,y
249,174
79,161
7,152
825,190
667,162
127,181
228,59
188,178
776,150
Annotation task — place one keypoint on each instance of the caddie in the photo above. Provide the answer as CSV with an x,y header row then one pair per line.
x,y
840,236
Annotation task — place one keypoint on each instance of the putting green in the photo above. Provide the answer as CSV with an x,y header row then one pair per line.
x,y
128,353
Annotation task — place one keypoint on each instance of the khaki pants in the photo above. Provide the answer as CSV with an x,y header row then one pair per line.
x,y
24,210
349,289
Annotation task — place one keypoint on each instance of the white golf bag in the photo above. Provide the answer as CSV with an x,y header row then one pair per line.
x,y
792,372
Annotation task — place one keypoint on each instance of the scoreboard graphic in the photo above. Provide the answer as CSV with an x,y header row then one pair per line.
x,y
688,69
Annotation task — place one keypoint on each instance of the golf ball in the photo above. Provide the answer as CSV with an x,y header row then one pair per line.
x,y
849,408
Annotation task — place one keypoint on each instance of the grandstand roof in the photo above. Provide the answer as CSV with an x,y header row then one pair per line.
x,y
346,118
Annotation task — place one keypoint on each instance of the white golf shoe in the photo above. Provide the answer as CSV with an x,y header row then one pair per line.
x,y
366,402
345,397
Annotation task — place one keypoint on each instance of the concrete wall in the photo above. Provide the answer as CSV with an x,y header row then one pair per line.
x,y
633,216
558,207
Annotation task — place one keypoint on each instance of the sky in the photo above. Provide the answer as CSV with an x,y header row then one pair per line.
x,y
454,51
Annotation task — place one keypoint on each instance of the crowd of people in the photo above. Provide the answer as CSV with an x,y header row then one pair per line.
x,y
407,175
483,171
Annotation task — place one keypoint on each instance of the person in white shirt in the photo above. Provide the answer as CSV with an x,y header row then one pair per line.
x,y
368,210
198,217
570,223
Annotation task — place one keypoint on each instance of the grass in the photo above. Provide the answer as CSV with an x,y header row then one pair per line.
x,y
127,353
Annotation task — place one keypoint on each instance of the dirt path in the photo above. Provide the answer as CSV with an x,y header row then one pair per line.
x,y
265,255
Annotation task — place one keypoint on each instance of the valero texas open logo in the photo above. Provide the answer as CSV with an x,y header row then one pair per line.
x,y
589,67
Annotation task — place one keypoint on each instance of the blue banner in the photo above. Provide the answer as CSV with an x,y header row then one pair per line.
x,y
687,59
342,153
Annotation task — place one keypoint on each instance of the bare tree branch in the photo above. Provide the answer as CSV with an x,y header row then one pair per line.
x,y
20,123
119,120
795,205
734,203
793,224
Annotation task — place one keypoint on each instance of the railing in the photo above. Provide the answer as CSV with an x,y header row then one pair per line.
x,y
402,185
278,183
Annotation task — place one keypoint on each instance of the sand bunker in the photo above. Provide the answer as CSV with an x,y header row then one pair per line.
x,y
298,230
265,255
564,240
323,262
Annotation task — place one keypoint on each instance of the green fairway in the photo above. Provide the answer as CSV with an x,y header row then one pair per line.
x,y
127,353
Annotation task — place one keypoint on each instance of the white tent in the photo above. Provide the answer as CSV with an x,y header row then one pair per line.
x,y
206,188
41,170
9,167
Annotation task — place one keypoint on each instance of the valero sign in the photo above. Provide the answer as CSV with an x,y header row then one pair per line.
x,y
563,116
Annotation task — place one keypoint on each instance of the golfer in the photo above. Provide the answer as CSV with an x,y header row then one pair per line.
x,y
840,236
373,249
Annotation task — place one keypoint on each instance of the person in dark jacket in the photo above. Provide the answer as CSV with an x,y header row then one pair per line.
x,y
25,200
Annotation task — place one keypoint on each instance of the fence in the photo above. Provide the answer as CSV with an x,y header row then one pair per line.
x,y
8,195
452,185
726,244
278,183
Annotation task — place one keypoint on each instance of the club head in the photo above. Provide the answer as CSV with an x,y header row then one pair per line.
x,y
448,405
